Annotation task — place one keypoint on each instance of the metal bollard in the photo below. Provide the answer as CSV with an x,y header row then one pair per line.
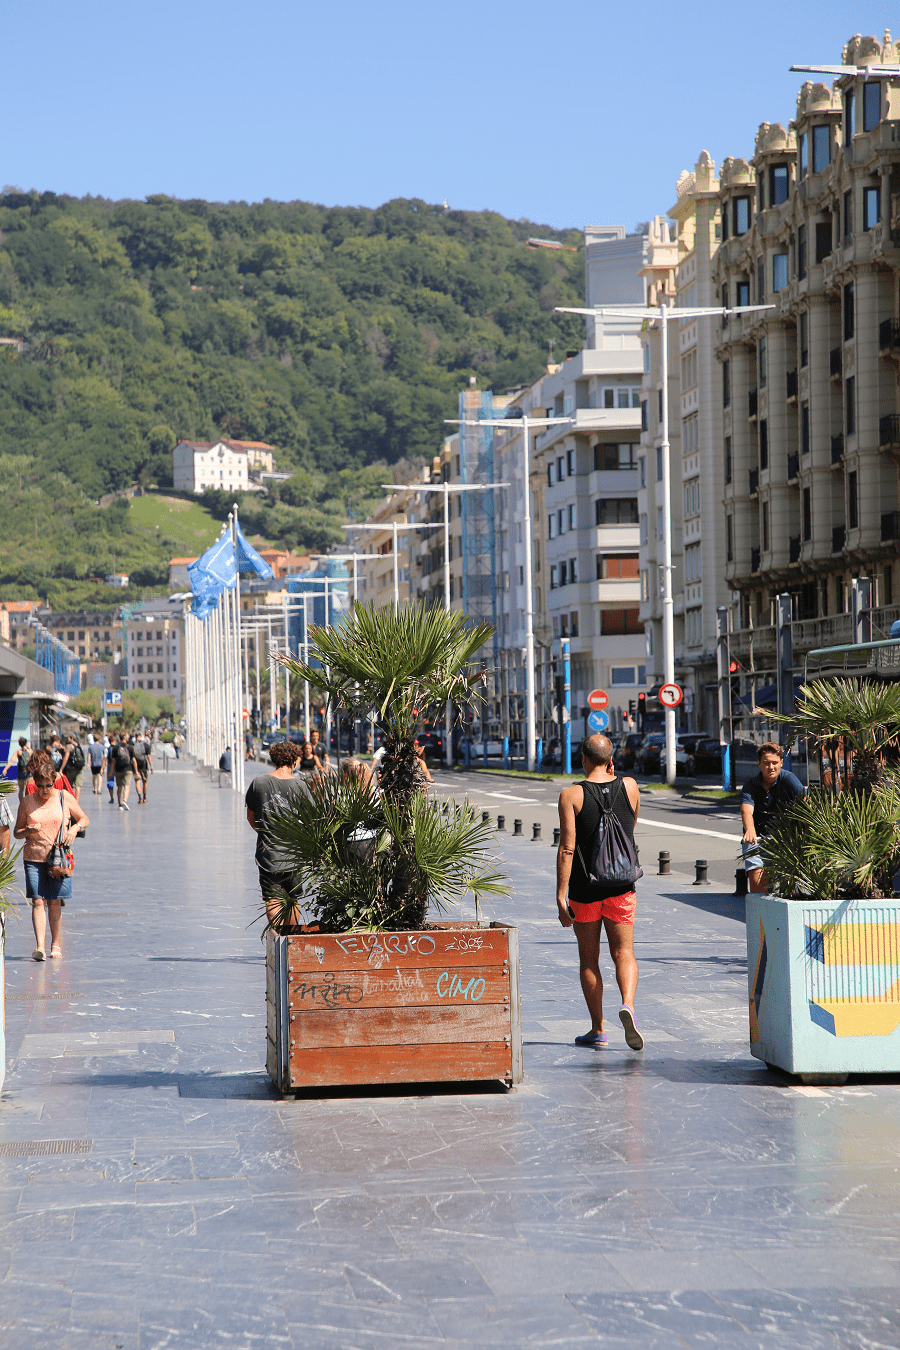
x,y
501,823
485,817
665,869
556,837
701,878
517,827
535,831
740,882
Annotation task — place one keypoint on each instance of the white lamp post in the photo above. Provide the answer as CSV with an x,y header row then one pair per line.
x,y
392,525
523,424
446,489
662,314
345,557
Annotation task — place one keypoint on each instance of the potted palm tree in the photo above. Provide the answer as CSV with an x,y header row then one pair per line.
x,y
377,988
823,948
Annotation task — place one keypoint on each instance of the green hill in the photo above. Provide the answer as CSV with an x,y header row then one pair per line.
x,y
341,336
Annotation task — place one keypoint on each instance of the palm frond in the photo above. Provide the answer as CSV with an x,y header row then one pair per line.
x,y
826,846
865,713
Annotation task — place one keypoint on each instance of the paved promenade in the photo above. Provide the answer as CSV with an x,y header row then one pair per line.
x,y
156,1193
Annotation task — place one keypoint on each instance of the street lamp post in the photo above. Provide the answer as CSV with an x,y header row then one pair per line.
x,y
523,424
662,314
446,489
344,557
394,527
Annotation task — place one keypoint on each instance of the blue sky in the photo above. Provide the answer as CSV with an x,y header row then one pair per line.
x,y
565,114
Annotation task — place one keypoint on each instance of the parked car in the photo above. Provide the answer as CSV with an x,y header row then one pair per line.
x,y
685,745
708,756
476,751
649,753
432,743
623,759
268,741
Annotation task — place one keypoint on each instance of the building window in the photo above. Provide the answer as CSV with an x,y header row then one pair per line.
x,y
821,148
763,444
551,525
617,566
778,184
871,210
807,513
692,563
871,104
562,517
645,417
824,243
616,511
570,463
615,457
692,498
852,501
850,403
621,675
804,338
763,362
741,215
848,116
729,539
551,474
779,271
659,523
888,585
573,623
848,216
801,253
804,429
693,627
645,585
742,294
726,384
849,312
560,468
619,622
572,523
728,460
760,279
645,530
765,527
554,576
725,229
802,160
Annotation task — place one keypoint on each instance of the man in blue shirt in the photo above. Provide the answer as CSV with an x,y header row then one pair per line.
x,y
763,798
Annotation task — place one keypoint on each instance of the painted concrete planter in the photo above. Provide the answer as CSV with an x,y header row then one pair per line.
x,y
824,983
418,1007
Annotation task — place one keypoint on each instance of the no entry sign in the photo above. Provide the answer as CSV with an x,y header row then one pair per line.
x,y
670,695
598,699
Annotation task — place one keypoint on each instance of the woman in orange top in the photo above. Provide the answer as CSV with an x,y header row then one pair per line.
x,y
40,815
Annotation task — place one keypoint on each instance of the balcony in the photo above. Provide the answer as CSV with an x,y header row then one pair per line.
x,y
890,526
754,482
838,538
793,467
889,336
792,386
794,548
837,448
752,401
836,363
889,432
754,559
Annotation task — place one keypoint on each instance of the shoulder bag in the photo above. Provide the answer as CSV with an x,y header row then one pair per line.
x,y
60,859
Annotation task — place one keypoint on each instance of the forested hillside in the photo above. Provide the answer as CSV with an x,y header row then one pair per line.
x,y
341,336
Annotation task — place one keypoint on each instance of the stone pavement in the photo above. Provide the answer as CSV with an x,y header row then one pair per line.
x,y
156,1193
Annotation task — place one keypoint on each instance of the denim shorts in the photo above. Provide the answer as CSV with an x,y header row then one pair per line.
x,y
39,885
752,856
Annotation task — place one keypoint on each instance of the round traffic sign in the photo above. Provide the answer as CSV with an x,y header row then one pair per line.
x,y
598,721
598,699
670,695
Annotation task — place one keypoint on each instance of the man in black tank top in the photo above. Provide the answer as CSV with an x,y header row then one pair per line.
x,y
589,907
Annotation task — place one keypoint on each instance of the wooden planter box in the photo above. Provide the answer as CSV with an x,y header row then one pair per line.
x,y
420,1007
824,984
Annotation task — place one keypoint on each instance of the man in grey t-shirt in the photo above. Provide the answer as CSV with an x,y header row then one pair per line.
x,y
277,883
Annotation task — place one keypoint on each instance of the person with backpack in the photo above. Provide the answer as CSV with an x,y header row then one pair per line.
x,y
596,870
143,767
23,772
124,765
111,767
73,765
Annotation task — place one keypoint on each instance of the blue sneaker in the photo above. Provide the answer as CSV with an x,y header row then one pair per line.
x,y
592,1038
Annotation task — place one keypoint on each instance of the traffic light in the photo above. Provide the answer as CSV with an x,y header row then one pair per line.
x,y
642,706
734,685
632,707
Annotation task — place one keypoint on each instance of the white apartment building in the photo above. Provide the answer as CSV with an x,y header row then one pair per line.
x,y
197,465
155,650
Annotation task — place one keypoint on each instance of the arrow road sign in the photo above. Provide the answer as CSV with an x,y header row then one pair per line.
x,y
598,721
670,695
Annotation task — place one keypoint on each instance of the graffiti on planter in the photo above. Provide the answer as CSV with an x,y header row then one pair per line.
x,y
328,992
378,948
475,943
471,991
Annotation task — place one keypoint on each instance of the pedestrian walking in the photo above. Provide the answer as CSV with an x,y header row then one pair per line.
x,y
249,749
177,743
125,768
46,817
6,824
763,799
278,885
96,759
143,767
599,811
111,767
308,761
23,773
421,764
73,765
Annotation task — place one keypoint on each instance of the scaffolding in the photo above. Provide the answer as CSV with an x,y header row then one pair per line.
x,y
62,663
479,545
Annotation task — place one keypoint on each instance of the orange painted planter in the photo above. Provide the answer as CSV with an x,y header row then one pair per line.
x,y
408,1007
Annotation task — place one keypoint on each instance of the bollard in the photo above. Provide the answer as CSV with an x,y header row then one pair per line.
x,y
740,882
665,869
501,823
486,815
556,837
535,831
517,827
701,878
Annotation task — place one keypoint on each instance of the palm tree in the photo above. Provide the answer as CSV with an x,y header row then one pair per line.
x,y
376,860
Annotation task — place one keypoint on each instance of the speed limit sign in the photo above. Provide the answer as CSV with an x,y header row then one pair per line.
x,y
670,695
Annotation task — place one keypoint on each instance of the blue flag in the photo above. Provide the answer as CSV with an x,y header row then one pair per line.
x,y
212,574
248,560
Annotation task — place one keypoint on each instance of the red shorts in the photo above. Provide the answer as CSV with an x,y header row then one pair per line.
x,y
615,908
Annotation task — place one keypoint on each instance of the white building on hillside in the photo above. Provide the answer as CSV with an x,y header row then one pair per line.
x,y
197,465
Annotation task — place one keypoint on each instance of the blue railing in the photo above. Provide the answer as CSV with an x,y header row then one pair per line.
x,y
62,664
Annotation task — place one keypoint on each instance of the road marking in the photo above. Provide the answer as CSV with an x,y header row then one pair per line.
x,y
685,829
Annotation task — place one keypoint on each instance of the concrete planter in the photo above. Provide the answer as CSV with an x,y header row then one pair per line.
x,y
824,985
357,1008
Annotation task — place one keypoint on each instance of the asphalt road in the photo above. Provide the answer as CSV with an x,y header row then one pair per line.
x,y
686,829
